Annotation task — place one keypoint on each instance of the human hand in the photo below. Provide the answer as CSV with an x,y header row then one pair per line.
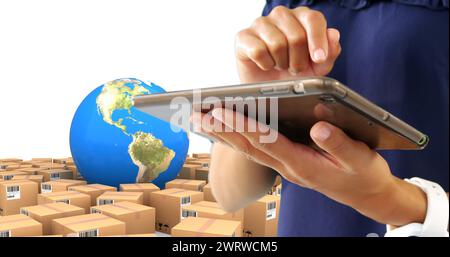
x,y
286,44
341,168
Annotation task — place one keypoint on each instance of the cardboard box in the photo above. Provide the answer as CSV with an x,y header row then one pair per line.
x,y
59,185
11,160
34,178
14,166
205,227
188,184
261,217
62,160
19,225
41,159
204,163
15,194
111,197
277,191
190,159
168,204
206,209
8,175
29,171
276,188
4,165
136,235
207,193
88,225
49,165
94,190
75,173
145,188
188,171
69,197
202,174
201,155
45,213
50,236
55,174
138,218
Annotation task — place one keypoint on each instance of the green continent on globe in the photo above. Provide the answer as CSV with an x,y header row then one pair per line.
x,y
117,95
150,155
146,151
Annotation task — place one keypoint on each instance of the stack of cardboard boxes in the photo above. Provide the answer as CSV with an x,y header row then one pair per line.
x,y
47,197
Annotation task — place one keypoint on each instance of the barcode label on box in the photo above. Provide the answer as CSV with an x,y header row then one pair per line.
x,y
54,176
12,192
88,233
6,233
105,201
186,213
271,211
67,201
46,188
185,200
24,212
8,177
278,191
93,210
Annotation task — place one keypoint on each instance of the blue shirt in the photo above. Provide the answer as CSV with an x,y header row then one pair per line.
x,y
395,53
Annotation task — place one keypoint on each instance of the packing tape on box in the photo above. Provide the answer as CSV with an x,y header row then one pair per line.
x,y
22,177
179,190
120,193
52,208
204,227
19,219
117,205
100,187
62,193
233,214
86,220
180,181
138,185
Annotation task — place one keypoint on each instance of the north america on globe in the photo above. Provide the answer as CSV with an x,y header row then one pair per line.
x,y
146,151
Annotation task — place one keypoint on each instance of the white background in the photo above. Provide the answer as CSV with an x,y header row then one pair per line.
x,y
53,53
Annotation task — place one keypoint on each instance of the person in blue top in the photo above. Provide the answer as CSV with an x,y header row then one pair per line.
x,y
395,53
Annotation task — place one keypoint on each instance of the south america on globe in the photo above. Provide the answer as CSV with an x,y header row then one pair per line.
x,y
114,143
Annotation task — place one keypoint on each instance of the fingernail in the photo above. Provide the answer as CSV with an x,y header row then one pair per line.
x,y
319,55
322,133
338,35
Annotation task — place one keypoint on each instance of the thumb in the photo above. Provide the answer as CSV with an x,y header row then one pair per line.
x,y
350,153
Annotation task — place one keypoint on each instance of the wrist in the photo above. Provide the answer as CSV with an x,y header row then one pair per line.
x,y
398,204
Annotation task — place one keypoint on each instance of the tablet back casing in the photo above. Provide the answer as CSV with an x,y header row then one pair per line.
x,y
301,103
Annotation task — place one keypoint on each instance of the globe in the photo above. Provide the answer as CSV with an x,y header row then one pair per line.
x,y
113,143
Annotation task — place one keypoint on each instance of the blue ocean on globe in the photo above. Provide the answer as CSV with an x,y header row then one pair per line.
x,y
113,143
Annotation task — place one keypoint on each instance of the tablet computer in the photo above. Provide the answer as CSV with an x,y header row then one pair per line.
x,y
299,104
